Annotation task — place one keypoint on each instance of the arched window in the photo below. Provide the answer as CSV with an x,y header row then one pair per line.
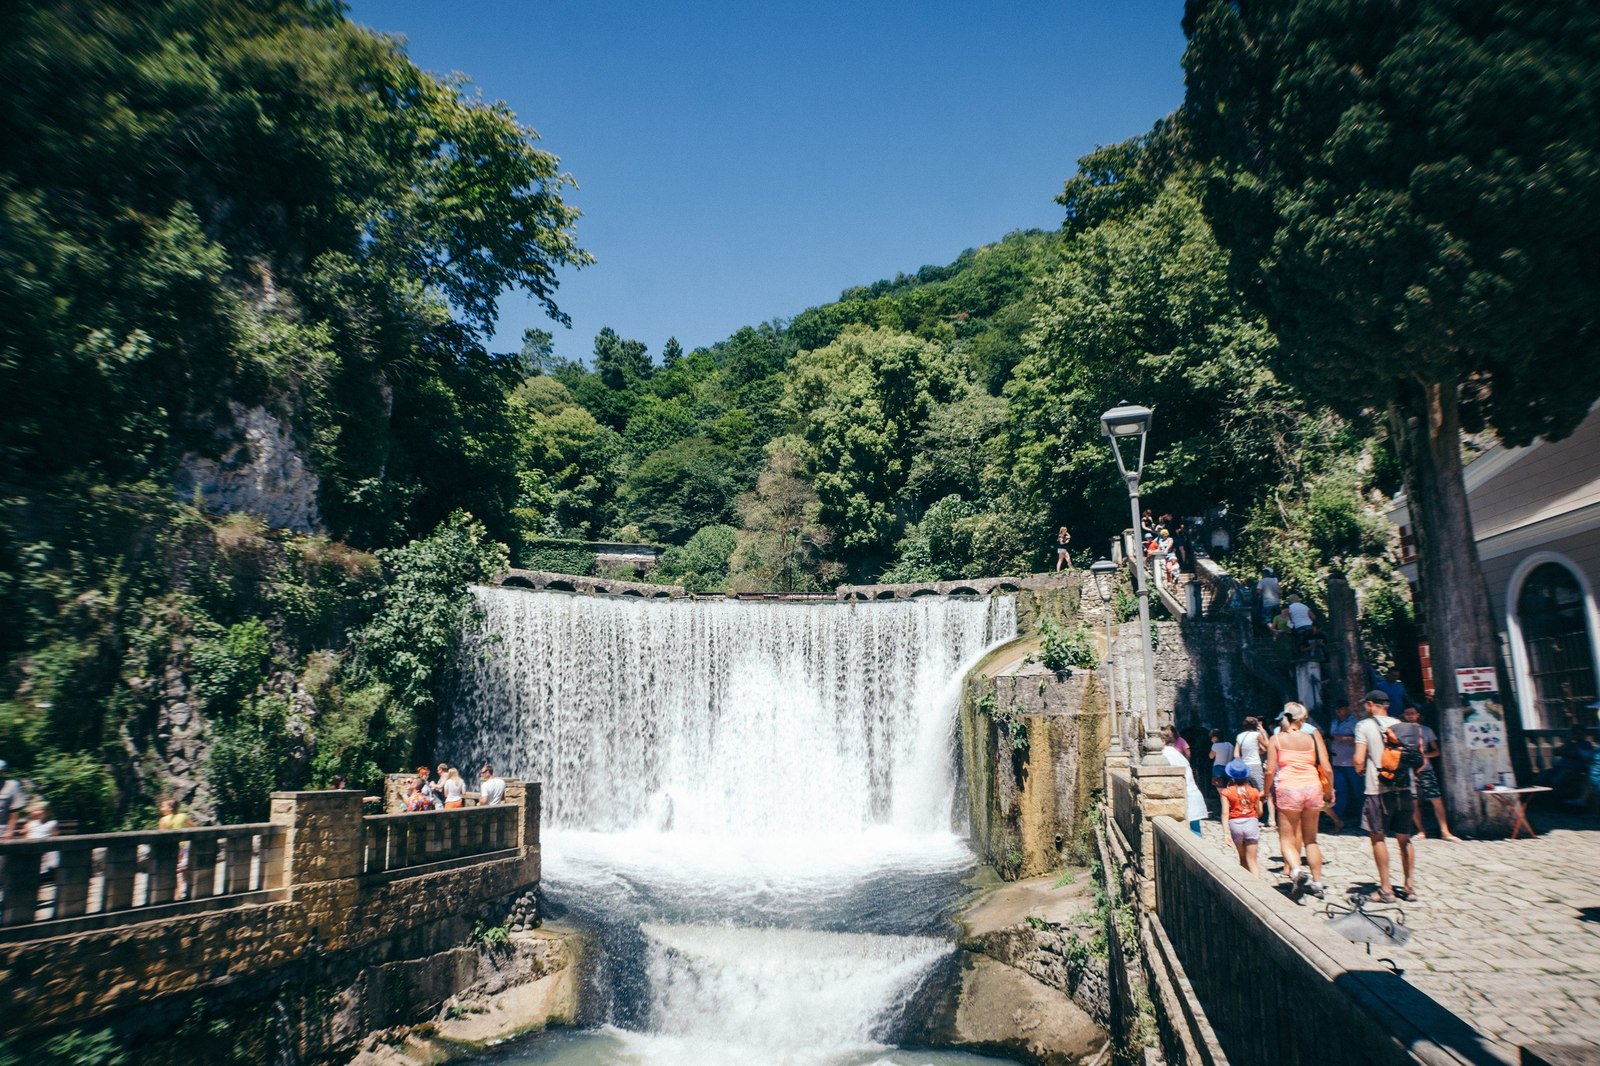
x,y
1552,616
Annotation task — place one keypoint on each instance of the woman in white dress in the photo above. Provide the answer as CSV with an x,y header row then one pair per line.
x,y
1196,799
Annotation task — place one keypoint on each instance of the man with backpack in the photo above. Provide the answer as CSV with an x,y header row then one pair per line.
x,y
1389,750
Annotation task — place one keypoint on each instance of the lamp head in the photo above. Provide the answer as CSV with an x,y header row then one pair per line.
x,y
1126,420
1105,576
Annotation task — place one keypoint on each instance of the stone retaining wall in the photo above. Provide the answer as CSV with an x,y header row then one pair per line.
x,y
1246,964
378,947
1026,805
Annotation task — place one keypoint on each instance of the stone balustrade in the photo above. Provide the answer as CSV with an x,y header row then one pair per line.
x,y
1219,960
60,884
400,843
123,922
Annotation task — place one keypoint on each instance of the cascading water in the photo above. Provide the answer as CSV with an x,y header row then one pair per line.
x,y
750,803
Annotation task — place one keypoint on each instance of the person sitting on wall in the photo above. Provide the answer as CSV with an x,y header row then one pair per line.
x,y
1568,774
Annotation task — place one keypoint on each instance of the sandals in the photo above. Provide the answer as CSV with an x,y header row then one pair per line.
x,y
1406,894
1380,897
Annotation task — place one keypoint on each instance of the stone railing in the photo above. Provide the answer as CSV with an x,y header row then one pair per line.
x,y
62,884
1341,997
399,843
318,881
1213,943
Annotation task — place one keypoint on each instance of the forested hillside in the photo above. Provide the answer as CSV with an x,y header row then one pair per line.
x,y
256,442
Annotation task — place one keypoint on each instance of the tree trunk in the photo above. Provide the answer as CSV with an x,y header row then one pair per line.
x,y
1427,433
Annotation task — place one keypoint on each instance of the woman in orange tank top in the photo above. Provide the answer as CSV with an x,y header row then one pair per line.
x,y
1300,781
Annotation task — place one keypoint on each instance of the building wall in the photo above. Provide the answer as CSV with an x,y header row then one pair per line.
x,y
1503,574
1551,479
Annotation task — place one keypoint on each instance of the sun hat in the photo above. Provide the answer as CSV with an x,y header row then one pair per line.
x,y
1238,770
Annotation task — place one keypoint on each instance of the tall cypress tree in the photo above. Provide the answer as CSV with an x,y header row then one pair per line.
x,y
1412,191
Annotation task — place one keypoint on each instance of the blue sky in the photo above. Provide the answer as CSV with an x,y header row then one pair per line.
x,y
741,161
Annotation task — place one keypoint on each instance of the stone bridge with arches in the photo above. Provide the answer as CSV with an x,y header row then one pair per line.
x,y
543,580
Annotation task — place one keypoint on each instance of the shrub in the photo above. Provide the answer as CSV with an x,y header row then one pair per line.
x,y
702,564
229,668
1061,648
559,559
249,757
78,786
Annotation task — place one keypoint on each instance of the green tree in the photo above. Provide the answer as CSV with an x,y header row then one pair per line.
x,y
568,464
538,352
701,565
1142,309
860,402
620,363
1412,191
781,540
679,489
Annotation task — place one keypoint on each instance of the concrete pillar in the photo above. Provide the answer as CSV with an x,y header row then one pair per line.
x,y
325,834
525,796
1161,793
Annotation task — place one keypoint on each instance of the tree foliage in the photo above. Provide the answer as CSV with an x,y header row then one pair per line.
x,y
1411,190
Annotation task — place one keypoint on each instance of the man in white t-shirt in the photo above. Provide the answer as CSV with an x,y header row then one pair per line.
x,y
492,787
1389,806
1268,594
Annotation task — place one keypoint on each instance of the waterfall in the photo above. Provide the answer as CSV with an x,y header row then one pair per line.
x,y
722,716
750,804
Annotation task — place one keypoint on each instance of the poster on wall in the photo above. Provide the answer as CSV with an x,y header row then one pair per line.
x,y
1485,718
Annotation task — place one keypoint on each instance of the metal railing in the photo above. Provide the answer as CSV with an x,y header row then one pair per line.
x,y
72,877
400,841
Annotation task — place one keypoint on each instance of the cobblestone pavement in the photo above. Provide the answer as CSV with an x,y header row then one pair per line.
x,y
1506,933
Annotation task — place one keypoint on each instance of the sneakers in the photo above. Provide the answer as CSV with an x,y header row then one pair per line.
x,y
1302,881
1316,889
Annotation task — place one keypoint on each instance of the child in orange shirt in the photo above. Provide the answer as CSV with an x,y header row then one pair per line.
x,y
1241,813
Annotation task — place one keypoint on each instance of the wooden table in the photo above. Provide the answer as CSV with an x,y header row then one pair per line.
x,y
1516,801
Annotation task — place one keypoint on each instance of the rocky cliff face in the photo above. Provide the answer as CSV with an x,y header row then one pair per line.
x,y
260,470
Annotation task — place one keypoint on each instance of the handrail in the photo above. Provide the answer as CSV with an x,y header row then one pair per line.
x,y
80,876
393,842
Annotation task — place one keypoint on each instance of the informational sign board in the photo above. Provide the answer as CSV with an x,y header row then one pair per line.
x,y
1484,719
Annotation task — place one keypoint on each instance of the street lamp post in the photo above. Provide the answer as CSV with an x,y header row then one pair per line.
x,y
1105,582
1127,422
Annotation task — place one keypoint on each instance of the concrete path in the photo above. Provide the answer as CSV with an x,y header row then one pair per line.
x,y
1506,932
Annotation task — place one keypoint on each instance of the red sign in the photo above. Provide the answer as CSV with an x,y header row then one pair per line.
x,y
1476,679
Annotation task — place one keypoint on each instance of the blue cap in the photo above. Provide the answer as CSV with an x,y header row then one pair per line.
x,y
1238,770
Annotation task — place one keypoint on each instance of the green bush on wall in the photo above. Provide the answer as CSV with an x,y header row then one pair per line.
x,y
559,557
1061,648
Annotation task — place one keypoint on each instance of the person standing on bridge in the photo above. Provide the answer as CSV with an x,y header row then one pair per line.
x,y
1196,800
455,789
491,787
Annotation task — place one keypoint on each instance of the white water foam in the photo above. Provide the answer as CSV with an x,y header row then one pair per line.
x,y
758,791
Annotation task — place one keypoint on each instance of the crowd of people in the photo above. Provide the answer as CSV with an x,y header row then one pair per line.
x,y
445,788
1167,543
1376,768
